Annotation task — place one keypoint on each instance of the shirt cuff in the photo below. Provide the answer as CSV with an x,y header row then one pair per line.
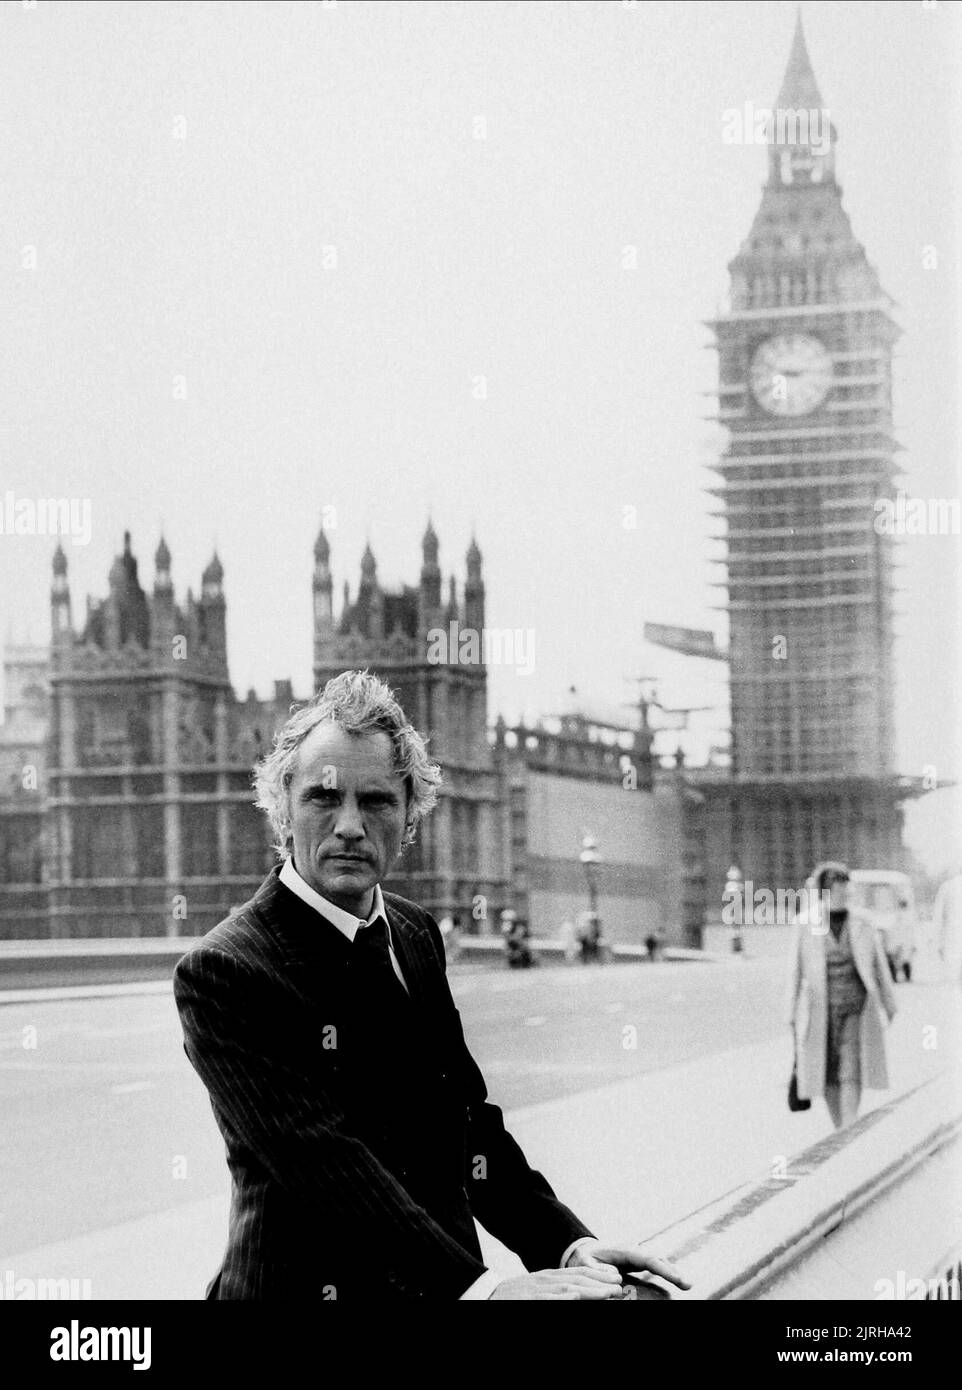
x,y
483,1287
571,1250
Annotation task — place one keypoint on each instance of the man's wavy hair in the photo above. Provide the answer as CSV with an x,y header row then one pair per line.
x,y
360,703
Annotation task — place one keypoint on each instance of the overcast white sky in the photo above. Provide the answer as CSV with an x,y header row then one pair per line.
x,y
354,126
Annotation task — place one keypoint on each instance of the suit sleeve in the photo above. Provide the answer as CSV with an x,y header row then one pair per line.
x,y
511,1199
508,1197
260,1090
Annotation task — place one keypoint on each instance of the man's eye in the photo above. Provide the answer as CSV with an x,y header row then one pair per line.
x,y
323,794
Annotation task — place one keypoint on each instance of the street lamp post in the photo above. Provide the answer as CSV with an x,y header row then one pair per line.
x,y
589,860
734,897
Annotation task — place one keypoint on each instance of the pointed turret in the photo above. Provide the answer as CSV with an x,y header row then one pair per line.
x,y
429,544
125,612
162,581
346,620
370,600
451,611
212,610
323,589
212,579
474,589
163,619
60,621
799,88
430,595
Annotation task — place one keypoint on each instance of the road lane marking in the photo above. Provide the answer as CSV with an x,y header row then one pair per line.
x,y
552,1068
128,1031
53,993
172,1067
127,1087
535,1021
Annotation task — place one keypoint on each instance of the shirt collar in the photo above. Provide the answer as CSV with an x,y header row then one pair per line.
x,y
346,922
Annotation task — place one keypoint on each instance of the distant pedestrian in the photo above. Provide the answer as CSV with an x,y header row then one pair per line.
x,y
589,935
839,987
515,933
653,944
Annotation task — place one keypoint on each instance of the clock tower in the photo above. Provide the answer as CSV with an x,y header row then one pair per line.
x,y
805,393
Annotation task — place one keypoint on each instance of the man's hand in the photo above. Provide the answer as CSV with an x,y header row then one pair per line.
x,y
592,1255
590,1282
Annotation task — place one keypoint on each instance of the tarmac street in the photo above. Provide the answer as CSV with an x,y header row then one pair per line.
x,y
642,1091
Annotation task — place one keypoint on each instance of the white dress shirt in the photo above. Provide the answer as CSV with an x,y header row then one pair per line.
x,y
349,925
345,922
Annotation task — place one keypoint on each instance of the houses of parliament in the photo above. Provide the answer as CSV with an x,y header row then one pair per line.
x,y
126,758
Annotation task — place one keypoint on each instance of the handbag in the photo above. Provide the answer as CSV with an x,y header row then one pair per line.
x,y
795,1101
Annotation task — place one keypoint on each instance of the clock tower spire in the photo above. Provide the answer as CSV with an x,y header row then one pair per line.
x,y
802,137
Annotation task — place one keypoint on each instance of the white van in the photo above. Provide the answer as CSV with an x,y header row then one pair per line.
x,y
887,900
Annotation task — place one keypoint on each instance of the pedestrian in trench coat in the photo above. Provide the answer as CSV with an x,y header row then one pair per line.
x,y
807,1003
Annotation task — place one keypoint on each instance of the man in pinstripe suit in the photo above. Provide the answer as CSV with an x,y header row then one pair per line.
x,y
359,1136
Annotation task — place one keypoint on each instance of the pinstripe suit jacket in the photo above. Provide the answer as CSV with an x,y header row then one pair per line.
x,y
315,1212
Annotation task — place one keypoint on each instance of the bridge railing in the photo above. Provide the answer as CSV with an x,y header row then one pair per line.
x,y
871,1212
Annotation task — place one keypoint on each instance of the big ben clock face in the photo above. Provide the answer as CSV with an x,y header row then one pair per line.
x,y
791,374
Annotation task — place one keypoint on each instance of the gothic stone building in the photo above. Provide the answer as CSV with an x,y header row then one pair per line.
x,y
23,754
126,806
149,823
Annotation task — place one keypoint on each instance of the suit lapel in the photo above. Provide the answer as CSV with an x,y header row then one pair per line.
x,y
299,935
415,956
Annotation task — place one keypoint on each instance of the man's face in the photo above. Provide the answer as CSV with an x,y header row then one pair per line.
x,y
348,813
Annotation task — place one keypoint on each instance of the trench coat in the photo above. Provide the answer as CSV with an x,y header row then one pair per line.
x,y
806,1002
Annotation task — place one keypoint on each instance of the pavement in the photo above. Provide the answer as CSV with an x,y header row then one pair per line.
x,y
633,1155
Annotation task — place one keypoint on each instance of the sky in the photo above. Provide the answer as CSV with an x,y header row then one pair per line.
x,y
259,260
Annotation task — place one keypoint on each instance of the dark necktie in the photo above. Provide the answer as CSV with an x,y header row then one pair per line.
x,y
371,954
